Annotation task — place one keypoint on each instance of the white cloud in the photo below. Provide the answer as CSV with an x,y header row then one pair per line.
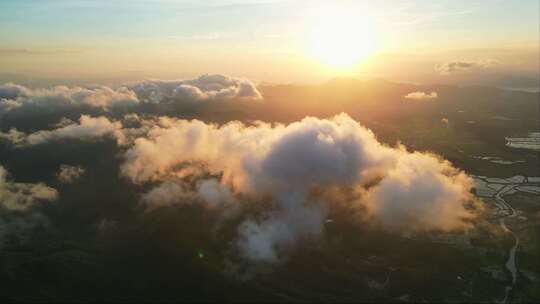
x,y
262,240
167,194
87,128
421,193
214,193
421,96
18,97
205,87
286,163
175,192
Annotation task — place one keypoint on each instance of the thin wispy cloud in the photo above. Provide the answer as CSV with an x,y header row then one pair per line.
x,y
36,51
464,65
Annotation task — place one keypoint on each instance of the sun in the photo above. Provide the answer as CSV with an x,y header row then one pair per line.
x,y
340,37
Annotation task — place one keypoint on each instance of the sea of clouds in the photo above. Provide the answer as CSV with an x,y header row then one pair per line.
x,y
297,171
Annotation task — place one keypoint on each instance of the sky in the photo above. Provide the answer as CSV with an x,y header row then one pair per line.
x,y
271,41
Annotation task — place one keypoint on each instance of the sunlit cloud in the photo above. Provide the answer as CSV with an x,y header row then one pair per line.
x,y
88,128
421,96
21,100
17,97
463,66
286,164
203,88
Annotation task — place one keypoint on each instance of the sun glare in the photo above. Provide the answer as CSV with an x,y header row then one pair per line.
x,y
340,37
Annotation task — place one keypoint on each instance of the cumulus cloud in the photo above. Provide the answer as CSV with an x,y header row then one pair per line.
x,y
286,164
20,99
210,192
12,91
167,194
421,193
69,174
14,96
281,229
461,66
214,193
421,96
87,128
21,196
205,87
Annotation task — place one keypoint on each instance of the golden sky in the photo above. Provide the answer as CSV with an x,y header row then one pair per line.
x,y
272,41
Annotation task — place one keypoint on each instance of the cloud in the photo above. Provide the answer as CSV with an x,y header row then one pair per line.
x,y
167,194
281,229
422,96
21,196
462,66
214,193
12,91
69,174
421,193
286,165
14,96
203,88
20,99
87,128
210,192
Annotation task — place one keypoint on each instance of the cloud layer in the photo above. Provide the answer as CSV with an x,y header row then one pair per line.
x,y
217,87
14,96
205,87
